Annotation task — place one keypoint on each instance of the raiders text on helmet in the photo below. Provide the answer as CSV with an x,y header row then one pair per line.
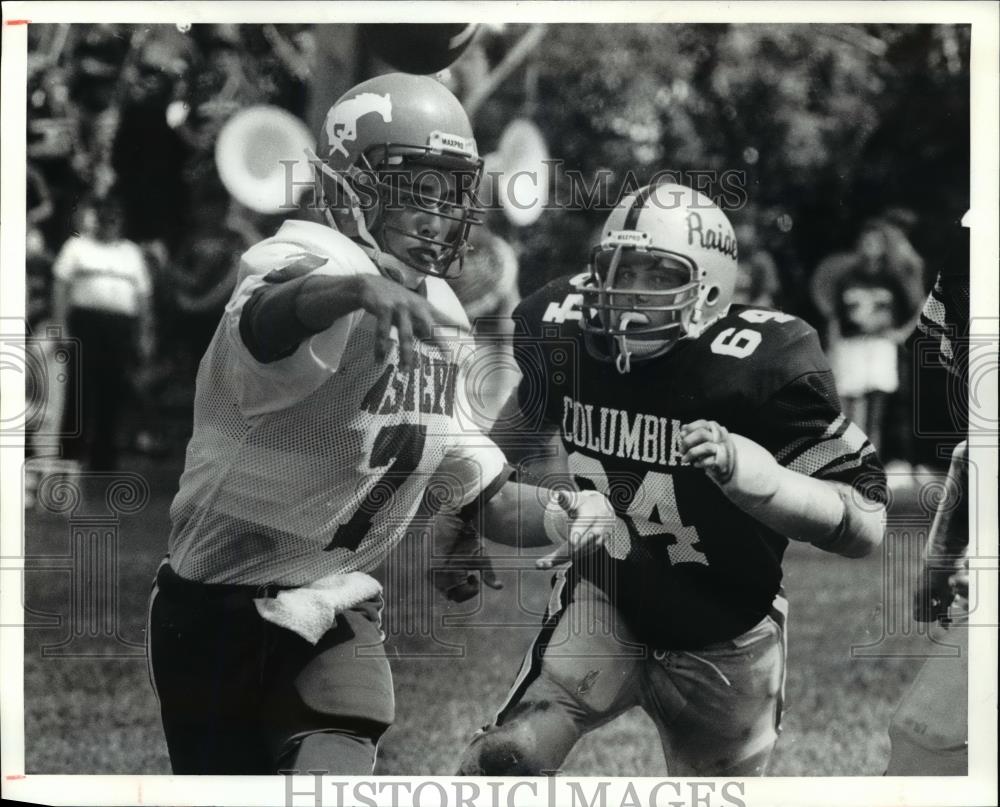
x,y
678,236
382,132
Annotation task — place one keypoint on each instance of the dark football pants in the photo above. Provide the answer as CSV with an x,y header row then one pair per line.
x,y
239,695
717,710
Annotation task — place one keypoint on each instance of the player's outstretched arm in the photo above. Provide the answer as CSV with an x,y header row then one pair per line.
x,y
526,512
944,556
830,515
280,316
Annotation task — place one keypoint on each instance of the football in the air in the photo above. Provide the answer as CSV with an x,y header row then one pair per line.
x,y
421,48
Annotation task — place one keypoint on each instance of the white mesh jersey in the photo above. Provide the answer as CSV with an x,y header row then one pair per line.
x,y
315,463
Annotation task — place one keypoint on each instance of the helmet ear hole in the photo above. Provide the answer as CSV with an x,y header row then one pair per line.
x,y
713,295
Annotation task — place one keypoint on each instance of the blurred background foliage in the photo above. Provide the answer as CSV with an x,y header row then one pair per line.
x,y
831,124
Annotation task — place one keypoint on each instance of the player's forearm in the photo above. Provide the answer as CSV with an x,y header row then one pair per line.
x,y
833,517
278,318
830,515
515,516
520,444
949,536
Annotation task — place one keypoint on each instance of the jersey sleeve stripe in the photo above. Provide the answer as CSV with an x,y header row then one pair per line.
x,y
829,456
934,322
934,312
838,427
848,463
843,443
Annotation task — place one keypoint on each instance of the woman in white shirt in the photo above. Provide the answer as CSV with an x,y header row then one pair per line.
x,y
103,297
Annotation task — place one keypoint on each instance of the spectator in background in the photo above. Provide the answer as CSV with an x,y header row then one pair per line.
x,y
900,434
101,296
38,207
757,281
869,299
38,278
44,387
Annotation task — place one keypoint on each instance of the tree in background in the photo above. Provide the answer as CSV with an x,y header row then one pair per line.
x,y
830,123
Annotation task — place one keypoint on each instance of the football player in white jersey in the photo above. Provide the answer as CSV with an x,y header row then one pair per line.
x,y
324,410
716,434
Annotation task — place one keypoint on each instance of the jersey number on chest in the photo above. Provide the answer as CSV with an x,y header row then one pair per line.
x,y
651,513
398,449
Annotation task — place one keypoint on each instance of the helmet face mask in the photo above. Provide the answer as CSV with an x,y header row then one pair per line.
x,y
636,300
424,213
398,171
656,278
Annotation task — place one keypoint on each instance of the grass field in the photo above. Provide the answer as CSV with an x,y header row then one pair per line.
x,y
99,715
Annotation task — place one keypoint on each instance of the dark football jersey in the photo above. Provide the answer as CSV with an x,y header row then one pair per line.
x,y
945,315
685,566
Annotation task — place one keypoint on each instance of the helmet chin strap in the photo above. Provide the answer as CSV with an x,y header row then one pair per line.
x,y
623,361
638,348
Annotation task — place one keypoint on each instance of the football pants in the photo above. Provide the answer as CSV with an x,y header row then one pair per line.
x,y
717,709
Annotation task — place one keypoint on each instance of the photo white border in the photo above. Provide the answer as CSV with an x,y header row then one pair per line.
x,y
979,787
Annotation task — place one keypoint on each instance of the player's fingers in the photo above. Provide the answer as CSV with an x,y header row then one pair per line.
x,y
490,578
383,338
697,436
404,330
554,558
600,530
586,536
694,424
702,455
422,316
566,499
590,539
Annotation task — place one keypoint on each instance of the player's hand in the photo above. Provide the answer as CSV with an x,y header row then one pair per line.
x,y
580,521
466,567
709,446
394,305
741,467
938,589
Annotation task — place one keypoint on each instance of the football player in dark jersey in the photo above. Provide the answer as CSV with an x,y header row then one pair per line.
x,y
929,731
716,434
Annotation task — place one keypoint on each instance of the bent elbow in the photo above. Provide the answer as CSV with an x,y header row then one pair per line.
x,y
862,547
859,535
867,536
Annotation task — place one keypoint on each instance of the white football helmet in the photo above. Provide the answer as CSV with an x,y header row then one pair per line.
x,y
664,231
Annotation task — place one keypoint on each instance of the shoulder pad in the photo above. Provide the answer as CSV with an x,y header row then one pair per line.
x,y
555,303
300,247
760,350
305,263
781,328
